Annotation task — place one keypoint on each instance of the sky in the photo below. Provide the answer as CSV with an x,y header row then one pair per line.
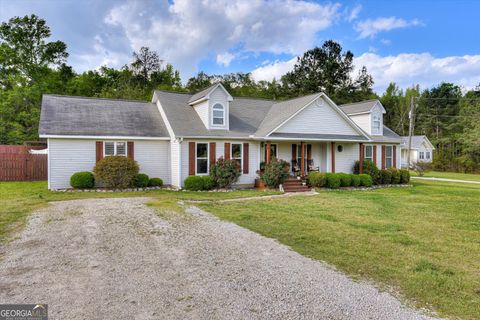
x,y
407,42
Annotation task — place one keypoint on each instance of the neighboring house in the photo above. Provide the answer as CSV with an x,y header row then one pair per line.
x,y
421,150
177,134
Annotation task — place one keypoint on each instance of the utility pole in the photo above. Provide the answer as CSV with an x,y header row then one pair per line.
x,y
411,116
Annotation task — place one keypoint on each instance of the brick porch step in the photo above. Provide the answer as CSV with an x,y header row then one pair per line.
x,y
294,185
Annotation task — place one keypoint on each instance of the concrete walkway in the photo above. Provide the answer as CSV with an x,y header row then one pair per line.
x,y
445,180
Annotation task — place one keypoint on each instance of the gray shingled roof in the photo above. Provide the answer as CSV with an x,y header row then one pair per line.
x,y
245,116
202,94
358,107
388,136
64,115
416,141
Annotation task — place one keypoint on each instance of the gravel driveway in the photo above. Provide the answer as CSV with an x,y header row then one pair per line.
x,y
116,259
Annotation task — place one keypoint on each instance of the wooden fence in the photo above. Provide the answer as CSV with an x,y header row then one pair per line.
x,y
17,164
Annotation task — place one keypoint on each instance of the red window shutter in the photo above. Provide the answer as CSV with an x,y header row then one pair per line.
x,y
130,150
99,150
294,151
191,158
245,158
309,152
394,155
213,156
383,157
375,155
227,151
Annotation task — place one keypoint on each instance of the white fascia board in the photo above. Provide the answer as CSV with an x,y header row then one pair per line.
x,y
313,139
165,119
53,136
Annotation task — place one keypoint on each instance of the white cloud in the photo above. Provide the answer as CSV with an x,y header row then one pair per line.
x,y
420,68
225,58
369,27
404,69
386,42
353,14
273,70
185,32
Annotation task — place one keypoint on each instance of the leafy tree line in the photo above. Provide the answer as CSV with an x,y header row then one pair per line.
x,y
30,66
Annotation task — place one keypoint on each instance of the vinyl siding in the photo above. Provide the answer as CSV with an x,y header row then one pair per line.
x,y
319,117
175,160
153,157
363,121
202,110
219,96
345,160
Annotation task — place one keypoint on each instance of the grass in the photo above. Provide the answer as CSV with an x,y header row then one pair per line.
x,y
423,242
450,175
18,199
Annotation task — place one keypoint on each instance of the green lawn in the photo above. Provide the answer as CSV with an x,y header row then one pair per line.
x,y
451,175
423,242
18,199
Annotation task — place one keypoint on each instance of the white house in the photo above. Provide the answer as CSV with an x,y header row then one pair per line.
x,y
178,134
420,151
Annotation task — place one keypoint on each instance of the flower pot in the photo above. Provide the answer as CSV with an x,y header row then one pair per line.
x,y
259,184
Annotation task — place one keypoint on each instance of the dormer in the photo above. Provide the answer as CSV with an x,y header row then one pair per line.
x,y
213,105
368,115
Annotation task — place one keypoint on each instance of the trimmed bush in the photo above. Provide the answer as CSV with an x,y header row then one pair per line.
x,y
404,176
155,182
207,183
345,179
224,173
355,180
333,181
194,183
369,168
141,180
395,175
365,180
82,180
276,172
386,176
317,179
116,171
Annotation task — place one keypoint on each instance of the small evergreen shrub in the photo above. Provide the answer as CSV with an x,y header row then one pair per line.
x,y
365,180
207,183
345,179
395,175
369,168
317,179
141,180
224,173
155,182
404,176
116,171
333,181
386,176
276,172
194,183
82,180
355,180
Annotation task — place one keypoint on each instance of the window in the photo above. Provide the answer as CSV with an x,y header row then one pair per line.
x,y
376,124
115,148
237,154
218,117
388,156
421,155
368,155
427,155
273,151
202,158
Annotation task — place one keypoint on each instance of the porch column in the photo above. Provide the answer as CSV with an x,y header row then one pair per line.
x,y
302,158
333,156
269,151
360,162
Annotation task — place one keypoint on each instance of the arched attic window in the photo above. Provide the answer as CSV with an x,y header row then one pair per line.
x,y
218,116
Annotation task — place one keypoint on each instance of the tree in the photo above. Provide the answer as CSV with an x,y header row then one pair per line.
x,y
24,50
145,63
199,82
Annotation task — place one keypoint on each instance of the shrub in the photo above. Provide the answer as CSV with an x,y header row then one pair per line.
x,y
224,173
82,180
333,180
355,180
116,171
155,182
368,168
207,183
365,180
345,179
385,176
404,176
395,175
317,179
141,180
276,172
194,183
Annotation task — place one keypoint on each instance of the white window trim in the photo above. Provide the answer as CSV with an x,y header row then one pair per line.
x,y
241,155
391,158
224,117
427,155
208,159
374,129
115,149
365,152
421,155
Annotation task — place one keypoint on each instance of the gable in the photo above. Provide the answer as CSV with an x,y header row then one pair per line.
x,y
319,117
